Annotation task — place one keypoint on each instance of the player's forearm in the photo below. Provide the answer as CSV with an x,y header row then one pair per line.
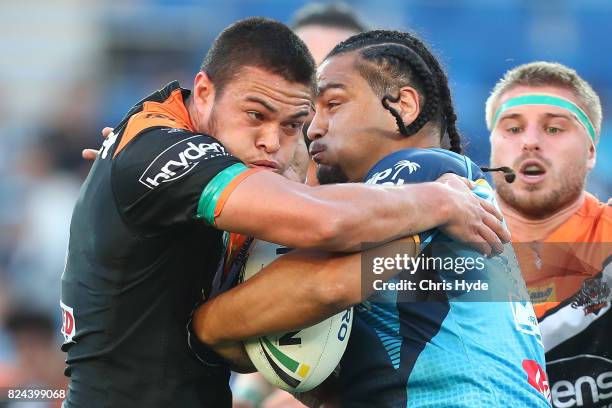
x,y
331,218
293,292
383,214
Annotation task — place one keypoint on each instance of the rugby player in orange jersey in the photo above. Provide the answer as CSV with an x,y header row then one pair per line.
x,y
545,122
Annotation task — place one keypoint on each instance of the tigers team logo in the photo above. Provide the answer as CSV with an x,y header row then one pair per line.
x,y
593,296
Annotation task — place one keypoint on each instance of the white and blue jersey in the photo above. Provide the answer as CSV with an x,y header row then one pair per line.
x,y
446,348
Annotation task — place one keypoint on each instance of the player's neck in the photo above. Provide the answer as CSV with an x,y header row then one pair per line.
x,y
525,229
194,117
412,142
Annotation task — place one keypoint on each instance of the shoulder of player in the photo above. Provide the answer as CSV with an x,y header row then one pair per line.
x,y
146,121
601,211
422,162
605,222
164,171
153,141
164,154
412,155
424,153
591,223
606,212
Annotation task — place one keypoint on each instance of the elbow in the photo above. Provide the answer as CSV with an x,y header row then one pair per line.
x,y
336,296
332,232
201,332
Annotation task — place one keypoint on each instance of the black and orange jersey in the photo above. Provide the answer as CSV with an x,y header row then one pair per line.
x,y
569,276
143,252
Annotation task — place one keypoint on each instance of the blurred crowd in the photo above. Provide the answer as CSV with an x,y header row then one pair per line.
x,y
86,63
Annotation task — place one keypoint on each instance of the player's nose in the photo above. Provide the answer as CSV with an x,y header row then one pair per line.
x,y
269,139
530,140
317,128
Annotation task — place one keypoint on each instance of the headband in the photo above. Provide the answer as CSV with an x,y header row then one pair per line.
x,y
536,99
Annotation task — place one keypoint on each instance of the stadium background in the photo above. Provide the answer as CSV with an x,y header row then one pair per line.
x,y
70,67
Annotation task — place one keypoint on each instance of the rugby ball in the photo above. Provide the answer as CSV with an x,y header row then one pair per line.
x,y
296,361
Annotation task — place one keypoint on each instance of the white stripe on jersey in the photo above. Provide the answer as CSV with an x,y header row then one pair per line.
x,y
566,323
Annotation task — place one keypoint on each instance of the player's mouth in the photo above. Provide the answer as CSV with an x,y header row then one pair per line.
x,y
316,152
532,172
265,164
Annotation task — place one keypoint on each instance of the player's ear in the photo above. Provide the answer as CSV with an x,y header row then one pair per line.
x,y
203,99
409,106
591,157
203,89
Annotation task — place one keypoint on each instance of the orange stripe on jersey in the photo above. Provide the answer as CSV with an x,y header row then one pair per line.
x,y
236,242
227,191
170,113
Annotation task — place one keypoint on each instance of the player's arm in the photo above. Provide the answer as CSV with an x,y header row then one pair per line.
x,y
336,218
298,289
165,178
341,217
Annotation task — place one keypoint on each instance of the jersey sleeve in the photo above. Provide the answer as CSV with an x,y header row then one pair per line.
x,y
418,166
424,165
167,177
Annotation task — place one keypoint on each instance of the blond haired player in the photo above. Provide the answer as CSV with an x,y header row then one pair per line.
x,y
545,122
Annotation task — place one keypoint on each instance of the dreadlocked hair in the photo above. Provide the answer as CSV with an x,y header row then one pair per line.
x,y
392,59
